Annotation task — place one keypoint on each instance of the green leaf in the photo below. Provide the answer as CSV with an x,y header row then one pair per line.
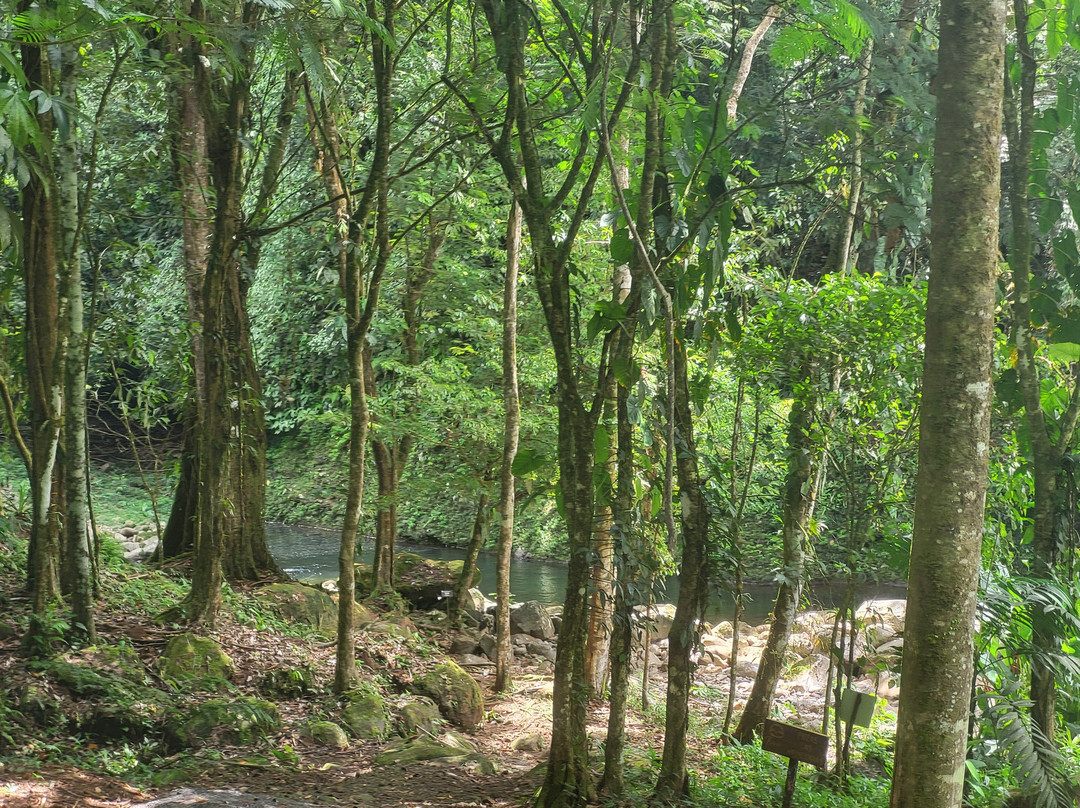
x,y
1067,259
1063,351
526,461
1066,102
621,246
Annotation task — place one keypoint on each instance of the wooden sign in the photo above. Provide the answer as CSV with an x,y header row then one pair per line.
x,y
803,745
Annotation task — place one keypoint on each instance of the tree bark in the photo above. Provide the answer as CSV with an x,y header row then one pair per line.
x,y
77,550
802,457
200,102
41,264
1047,454
504,655
957,397
672,783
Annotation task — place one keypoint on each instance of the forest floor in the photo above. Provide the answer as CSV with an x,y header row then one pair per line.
x,y
66,768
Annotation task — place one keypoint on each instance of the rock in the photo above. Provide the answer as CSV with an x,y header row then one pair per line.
x,y
533,619
472,660
365,716
7,631
405,752
237,721
327,733
810,674
303,604
420,581
392,628
659,616
488,646
464,645
288,683
457,694
723,629
528,743
457,741
541,649
476,605
889,613
195,661
420,716
128,532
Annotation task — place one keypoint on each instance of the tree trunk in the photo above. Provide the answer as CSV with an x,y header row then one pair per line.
x,y
477,539
802,456
957,397
672,782
1047,453
197,157
77,550
41,263
504,655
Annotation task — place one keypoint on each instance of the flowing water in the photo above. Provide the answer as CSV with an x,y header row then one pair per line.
x,y
311,553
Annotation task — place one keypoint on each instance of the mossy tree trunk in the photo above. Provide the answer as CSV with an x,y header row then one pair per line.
x,y
672,783
802,456
43,352
954,434
1049,439
201,105
504,654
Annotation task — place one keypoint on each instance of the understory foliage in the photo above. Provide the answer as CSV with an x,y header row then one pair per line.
x,y
272,227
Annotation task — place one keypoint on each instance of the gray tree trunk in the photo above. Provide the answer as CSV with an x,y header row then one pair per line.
x,y
957,398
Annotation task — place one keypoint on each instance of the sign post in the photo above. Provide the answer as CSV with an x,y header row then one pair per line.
x,y
798,745
855,710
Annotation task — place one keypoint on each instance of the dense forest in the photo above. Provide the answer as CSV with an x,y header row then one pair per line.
x,y
726,291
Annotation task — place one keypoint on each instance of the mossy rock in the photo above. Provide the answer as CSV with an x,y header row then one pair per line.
x,y
408,752
365,716
421,715
7,631
327,733
288,683
99,703
241,721
195,661
420,581
457,694
309,605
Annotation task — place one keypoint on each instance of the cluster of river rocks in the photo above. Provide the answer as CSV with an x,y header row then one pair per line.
x,y
874,664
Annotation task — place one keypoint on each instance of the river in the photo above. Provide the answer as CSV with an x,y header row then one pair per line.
x,y
311,553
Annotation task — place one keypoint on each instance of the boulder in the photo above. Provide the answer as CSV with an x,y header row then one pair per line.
x,y
404,752
533,619
464,645
476,605
230,721
303,604
659,616
327,733
288,683
457,694
365,716
421,715
420,581
528,743
195,661
541,649
7,631
488,646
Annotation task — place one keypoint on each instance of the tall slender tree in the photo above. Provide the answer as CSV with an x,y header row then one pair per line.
x,y
954,434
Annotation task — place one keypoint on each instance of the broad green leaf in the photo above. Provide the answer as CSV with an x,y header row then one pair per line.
x,y
1063,351
622,247
526,461
1066,102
